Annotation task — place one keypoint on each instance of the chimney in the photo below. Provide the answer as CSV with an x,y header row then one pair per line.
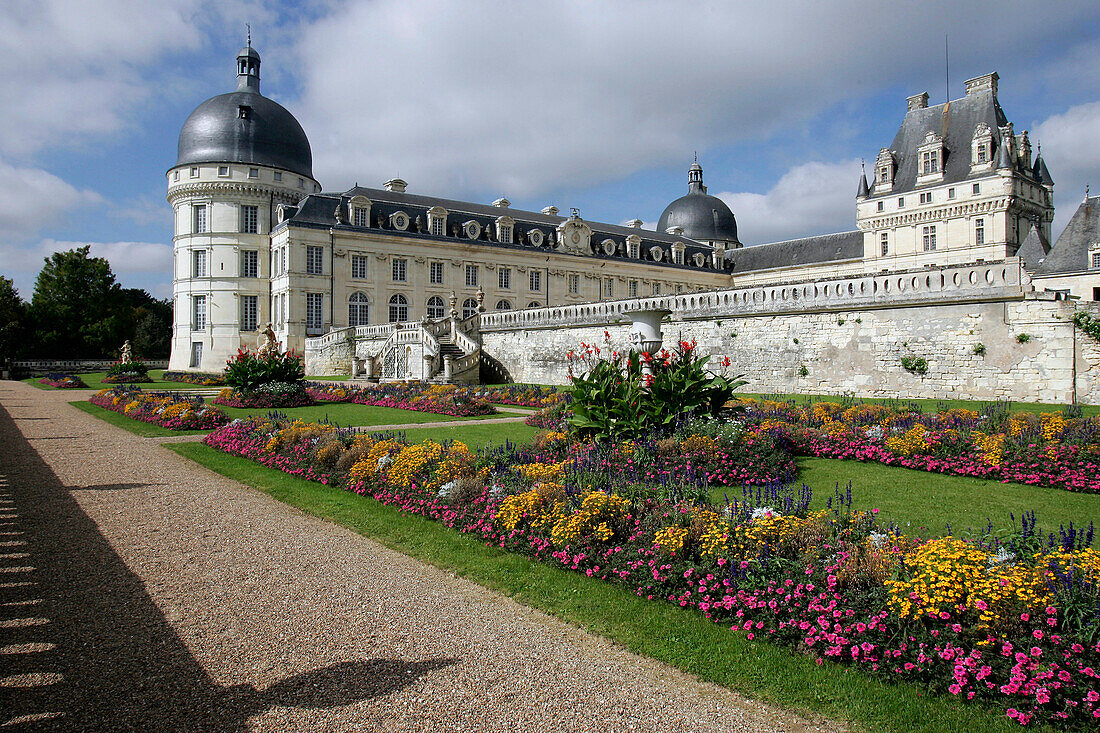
x,y
502,203
986,82
635,223
917,101
396,185
551,210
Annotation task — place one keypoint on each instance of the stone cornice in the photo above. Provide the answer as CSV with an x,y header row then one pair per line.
x,y
236,188
936,214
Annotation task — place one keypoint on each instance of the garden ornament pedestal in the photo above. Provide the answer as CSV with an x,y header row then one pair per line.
x,y
646,334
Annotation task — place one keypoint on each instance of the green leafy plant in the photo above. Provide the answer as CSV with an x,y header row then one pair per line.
x,y
795,340
979,349
248,371
1022,338
859,320
803,371
915,364
840,321
1087,323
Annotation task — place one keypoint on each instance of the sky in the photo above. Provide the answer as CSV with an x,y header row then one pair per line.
x,y
598,106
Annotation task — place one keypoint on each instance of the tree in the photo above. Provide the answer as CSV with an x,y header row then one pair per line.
x,y
78,309
13,321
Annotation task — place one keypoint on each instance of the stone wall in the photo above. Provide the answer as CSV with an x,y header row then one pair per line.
x,y
861,351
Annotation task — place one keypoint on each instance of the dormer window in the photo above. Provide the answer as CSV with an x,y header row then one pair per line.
x,y
437,221
505,225
244,111
194,172
359,211
536,237
223,171
1094,257
699,259
399,220
981,157
471,229
633,246
609,247
884,171
931,159
678,253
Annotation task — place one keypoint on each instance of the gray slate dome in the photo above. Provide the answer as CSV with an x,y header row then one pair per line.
x,y
245,127
703,217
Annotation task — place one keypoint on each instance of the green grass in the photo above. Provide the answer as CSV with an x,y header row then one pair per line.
x,y
476,435
137,427
670,634
348,414
924,404
924,503
94,380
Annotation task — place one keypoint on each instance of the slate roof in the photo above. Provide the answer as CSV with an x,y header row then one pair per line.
x,y
319,210
1071,252
955,122
1034,249
819,249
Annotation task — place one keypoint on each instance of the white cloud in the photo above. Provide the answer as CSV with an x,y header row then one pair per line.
x,y
812,198
520,98
1072,156
35,199
135,264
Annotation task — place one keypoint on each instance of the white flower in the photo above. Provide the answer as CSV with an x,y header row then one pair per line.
x,y
764,512
446,489
878,539
384,461
1003,556
875,432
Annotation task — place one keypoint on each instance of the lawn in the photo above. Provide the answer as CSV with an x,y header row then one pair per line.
x,y
476,435
662,631
94,380
924,503
348,414
923,405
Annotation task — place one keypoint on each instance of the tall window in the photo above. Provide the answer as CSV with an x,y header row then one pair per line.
x,y
951,193
979,231
609,288
1095,262
277,307
198,263
983,156
884,242
928,238
277,262
901,202
196,354
198,312
471,276
929,162
504,279
250,263
435,273
884,174
574,284
249,312
359,267
358,310
881,205
438,226
360,216
504,233
250,218
926,197
399,308
536,280
315,260
504,305
656,288
314,312
435,307
200,219
469,308
976,189
400,270
632,250
633,288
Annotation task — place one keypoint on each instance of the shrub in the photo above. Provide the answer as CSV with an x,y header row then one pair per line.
x,y
1022,338
915,364
248,371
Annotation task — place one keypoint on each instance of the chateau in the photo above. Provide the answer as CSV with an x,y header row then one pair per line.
x,y
257,240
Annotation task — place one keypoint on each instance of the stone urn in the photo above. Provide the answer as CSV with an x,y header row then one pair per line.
x,y
646,334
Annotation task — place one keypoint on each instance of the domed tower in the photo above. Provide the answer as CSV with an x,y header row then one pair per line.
x,y
702,217
240,156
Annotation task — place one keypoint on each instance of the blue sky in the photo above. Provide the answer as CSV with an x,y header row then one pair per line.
x,y
597,106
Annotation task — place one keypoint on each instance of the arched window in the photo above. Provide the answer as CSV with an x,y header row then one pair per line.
x,y
358,310
435,307
469,308
504,305
399,308
534,304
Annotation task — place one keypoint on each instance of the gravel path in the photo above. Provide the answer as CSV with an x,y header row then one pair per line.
x,y
139,591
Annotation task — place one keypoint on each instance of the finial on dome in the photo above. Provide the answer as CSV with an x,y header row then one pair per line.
x,y
248,67
248,40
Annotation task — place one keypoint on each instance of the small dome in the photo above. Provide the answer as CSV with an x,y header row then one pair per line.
x,y
245,127
702,217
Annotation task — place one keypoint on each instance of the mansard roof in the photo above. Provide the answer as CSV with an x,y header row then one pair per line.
x,y
954,122
798,252
1071,252
319,210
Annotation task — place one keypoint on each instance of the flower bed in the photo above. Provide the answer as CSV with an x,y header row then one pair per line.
x,y
63,381
521,395
1041,450
550,418
204,378
271,395
173,411
440,398
127,372
1007,621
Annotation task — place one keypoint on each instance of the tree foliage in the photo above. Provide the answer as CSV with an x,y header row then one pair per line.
x,y
13,321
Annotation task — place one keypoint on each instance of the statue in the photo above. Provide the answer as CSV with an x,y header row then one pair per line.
x,y
126,356
268,345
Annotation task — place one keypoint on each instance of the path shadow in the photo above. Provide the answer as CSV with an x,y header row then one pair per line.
x,y
91,651
110,487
